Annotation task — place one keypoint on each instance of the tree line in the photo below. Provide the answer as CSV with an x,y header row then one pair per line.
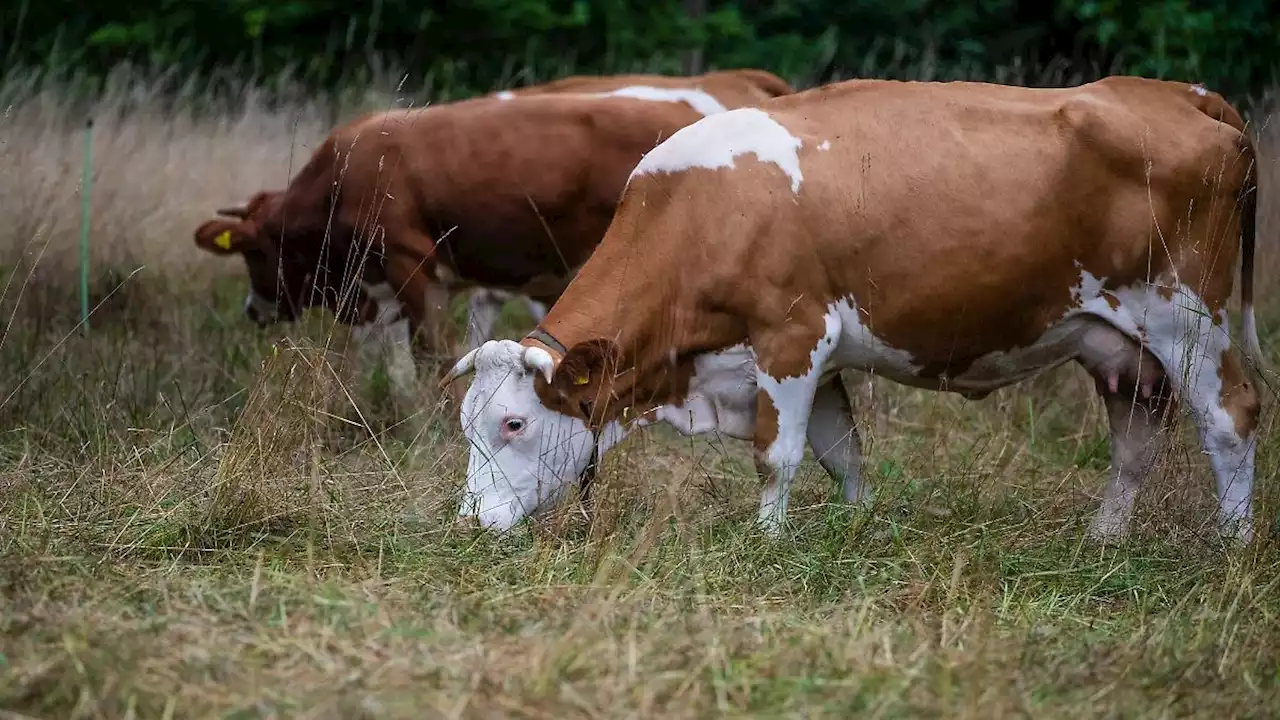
x,y
476,45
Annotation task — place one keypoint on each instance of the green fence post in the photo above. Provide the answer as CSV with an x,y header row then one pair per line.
x,y
86,185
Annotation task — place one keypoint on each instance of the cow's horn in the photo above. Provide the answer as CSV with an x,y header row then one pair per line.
x,y
535,358
240,212
465,364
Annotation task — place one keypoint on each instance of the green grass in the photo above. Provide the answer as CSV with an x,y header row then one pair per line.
x,y
193,524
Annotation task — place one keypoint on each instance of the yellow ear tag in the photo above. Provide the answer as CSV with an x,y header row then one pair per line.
x,y
581,380
223,240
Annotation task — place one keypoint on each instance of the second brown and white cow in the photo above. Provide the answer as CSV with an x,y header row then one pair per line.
x,y
396,210
948,236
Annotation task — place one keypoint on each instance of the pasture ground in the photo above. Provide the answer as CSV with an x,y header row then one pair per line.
x,y
199,521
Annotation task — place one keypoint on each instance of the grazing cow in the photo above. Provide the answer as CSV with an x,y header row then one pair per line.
x,y
505,194
948,236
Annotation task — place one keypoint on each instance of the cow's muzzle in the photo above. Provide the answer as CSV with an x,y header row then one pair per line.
x,y
260,311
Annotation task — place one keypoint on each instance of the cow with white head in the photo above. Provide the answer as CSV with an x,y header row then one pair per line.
x,y
992,233
529,443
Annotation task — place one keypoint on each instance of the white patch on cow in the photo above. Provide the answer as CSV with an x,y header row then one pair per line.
x,y
714,141
1089,287
793,400
721,396
860,348
388,335
826,145
504,94
1199,90
699,100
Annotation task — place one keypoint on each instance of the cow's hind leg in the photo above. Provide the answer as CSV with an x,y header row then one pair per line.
x,y
1137,395
788,373
427,301
482,314
834,439
1195,348
1137,438
537,310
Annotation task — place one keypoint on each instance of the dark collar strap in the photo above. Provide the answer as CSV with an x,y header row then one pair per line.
x,y
588,476
545,338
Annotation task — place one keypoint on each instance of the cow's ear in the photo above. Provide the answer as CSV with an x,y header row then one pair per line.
x,y
256,203
584,363
223,237
583,378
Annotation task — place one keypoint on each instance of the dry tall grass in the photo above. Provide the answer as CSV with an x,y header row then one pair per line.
x,y
198,519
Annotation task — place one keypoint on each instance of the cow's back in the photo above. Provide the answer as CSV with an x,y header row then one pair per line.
x,y
919,198
757,85
739,87
514,188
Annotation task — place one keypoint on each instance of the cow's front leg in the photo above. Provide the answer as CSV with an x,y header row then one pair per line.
x,y
380,331
789,369
426,300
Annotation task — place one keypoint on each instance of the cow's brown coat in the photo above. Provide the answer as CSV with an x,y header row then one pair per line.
x,y
970,197
738,87
487,180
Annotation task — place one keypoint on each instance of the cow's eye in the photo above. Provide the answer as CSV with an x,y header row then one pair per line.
x,y
512,426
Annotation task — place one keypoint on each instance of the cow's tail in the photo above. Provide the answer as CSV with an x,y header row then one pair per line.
x,y
1248,235
1216,107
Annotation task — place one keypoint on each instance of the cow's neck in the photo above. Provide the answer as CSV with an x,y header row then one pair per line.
x,y
656,324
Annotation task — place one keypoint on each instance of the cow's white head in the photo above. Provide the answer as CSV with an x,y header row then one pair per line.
x,y
523,454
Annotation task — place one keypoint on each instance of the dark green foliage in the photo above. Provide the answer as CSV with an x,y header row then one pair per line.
x,y
469,45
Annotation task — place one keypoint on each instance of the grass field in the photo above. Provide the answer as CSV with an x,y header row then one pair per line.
x,y
195,524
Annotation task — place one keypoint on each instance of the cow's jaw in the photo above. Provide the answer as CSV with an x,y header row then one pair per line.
x,y
260,310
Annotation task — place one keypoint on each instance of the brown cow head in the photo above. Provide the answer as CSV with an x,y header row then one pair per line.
x,y
281,270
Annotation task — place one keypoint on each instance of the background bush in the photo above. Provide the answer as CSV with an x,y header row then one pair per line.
x,y
469,45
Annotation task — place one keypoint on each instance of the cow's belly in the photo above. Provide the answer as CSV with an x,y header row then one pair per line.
x,y
858,348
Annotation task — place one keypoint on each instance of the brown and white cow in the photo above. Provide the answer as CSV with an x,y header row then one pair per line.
x,y
948,236
509,194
